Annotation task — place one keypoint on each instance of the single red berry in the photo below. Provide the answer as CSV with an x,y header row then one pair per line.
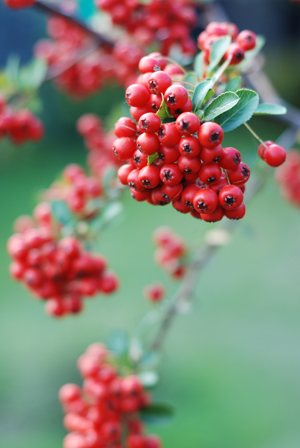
x,y
247,40
171,193
123,173
236,52
188,107
210,135
149,64
262,147
176,96
205,201
189,165
215,216
150,123
158,198
140,196
138,159
137,95
134,181
188,194
189,146
231,197
187,123
159,82
88,124
210,173
181,207
149,176
170,174
195,214
274,155
211,155
125,127
230,159
137,112
154,292
168,135
148,143
168,154
237,213
123,148
240,175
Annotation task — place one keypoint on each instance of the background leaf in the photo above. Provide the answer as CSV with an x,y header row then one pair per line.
x,y
158,413
218,49
234,84
241,112
191,78
199,65
270,109
118,342
149,379
200,93
61,212
221,104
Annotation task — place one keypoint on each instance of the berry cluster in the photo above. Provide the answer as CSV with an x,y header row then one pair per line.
x,y
181,162
288,176
66,45
58,271
105,412
274,155
98,143
80,192
154,292
166,21
171,252
19,125
241,42
19,4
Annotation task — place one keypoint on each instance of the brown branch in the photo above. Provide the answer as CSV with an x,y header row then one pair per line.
x,y
54,10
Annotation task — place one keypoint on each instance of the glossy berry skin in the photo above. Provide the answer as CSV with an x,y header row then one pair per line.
x,y
168,134
159,82
205,201
189,146
171,193
237,213
125,127
149,176
176,96
140,196
246,40
168,154
123,173
261,149
150,123
137,95
123,148
188,107
230,159
158,198
240,175
210,135
138,159
187,196
274,155
181,207
189,165
231,197
134,181
211,155
210,173
148,64
236,52
187,123
171,175
215,216
148,143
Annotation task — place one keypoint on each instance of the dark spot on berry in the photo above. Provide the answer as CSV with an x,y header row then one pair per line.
x,y
146,182
137,159
161,156
171,99
144,123
161,133
245,172
230,200
210,180
188,204
140,147
215,137
128,95
132,184
184,125
178,111
187,148
115,150
239,56
237,159
152,85
166,197
202,206
154,107
187,170
133,195
156,68
216,159
168,175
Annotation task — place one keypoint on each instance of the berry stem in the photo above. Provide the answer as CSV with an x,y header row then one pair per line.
x,y
174,63
184,82
255,135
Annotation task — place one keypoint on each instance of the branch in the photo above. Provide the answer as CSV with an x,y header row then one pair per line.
x,y
54,10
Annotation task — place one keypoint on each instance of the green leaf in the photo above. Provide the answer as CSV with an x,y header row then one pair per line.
x,y
199,65
32,75
200,93
241,112
191,78
270,109
148,379
234,84
118,342
209,95
251,54
12,68
163,111
218,50
152,158
221,104
158,413
61,212
150,360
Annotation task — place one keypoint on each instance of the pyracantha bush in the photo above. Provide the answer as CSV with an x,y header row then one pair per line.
x,y
171,252
106,411
288,177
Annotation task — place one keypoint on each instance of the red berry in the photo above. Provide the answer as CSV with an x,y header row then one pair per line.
x,y
168,134
138,159
240,175
187,123
189,146
236,52
205,201
149,64
134,181
247,40
189,165
159,82
231,197
125,127
148,143
188,194
215,216
210,173
176,96
150,122
140,196
170,174
123,173
137,95
154,292
210,135
171,193
211,155
149,176
230,159
262,147
237,213
274,155
168,154
181,207
123,148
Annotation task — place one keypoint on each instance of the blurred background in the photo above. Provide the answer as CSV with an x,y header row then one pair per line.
x,y
232,366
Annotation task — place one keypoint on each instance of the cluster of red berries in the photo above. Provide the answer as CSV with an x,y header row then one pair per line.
x,y
241,42
19,4
189,166
67,42
105,412
171,252
98,143
58,271
79,191
154,292
19,125
288,176
273,154
166,21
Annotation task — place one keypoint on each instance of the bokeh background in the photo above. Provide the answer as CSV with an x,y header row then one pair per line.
x,y
232,366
